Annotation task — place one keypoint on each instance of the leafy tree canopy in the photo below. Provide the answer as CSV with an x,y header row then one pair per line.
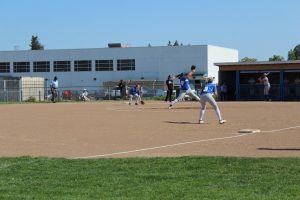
x,y
292,55
35,44
276,58
247,59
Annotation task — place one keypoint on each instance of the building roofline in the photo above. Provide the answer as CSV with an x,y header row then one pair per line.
x,y
203,45
212,45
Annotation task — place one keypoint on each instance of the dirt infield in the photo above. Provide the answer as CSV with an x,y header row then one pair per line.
x,y
115,129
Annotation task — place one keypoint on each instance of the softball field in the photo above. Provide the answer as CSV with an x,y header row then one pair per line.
x,y
115,129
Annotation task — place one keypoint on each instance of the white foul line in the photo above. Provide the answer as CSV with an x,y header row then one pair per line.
x,y
182,143
283,129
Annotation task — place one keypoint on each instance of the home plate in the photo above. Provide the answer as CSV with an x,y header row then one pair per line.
x,y
249,131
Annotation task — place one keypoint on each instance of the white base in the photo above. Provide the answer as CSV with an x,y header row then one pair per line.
x,y
249,131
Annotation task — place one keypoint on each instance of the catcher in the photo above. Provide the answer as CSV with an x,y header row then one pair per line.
x,y
135,92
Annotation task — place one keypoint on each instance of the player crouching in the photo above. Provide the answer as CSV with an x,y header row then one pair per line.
x,y
135,92
84,95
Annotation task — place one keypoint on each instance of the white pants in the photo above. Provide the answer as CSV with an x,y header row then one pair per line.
x,y
183,93
266,89
209,98
136,96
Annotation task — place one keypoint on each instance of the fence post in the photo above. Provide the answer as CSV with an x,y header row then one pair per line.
x,y
108,92
282,86
4,89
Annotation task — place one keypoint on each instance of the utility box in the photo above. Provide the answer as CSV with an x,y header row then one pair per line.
x,y
22,88
32,87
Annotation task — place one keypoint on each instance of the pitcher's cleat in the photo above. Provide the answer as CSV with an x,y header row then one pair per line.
x,y
136,104
201,122
170,106
222,121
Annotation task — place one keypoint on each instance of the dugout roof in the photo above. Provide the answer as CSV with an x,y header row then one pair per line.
x,y
261,65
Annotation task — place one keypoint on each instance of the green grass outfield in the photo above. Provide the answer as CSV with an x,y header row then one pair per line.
x,y
150,178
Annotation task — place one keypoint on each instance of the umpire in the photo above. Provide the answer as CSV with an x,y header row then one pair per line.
x,y
122,88
170,87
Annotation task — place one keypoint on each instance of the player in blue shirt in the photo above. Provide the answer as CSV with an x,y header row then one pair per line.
x,y
135,92
206,95
185,86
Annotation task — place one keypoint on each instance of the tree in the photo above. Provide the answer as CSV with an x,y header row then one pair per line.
x,y
292,55
35,44
176,44
169,43
247,59
297,52
276,58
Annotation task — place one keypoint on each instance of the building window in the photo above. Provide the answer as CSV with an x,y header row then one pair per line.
x,y
41,66
21,66
126,65
104,65
4,67
62,66
83,65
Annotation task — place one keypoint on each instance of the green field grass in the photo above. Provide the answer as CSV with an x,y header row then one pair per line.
x,y
150,178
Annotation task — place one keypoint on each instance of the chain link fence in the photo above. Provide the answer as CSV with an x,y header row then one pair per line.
x,y
33,90
37,90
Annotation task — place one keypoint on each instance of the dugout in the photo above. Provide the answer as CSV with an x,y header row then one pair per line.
x,y
243,84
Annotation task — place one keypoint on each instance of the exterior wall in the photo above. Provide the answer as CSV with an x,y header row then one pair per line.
x,y
152,63
217,54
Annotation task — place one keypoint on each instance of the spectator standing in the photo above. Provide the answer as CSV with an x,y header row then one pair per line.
x,y
265,81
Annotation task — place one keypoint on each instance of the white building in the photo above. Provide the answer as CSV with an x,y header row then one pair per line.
x,y
92,67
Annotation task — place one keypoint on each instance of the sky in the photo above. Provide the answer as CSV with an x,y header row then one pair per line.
x,y
257,28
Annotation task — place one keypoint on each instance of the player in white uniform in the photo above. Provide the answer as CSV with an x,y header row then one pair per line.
x,y
264,79
84,95
54,87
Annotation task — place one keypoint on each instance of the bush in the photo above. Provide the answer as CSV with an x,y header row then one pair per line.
x,y
31,99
